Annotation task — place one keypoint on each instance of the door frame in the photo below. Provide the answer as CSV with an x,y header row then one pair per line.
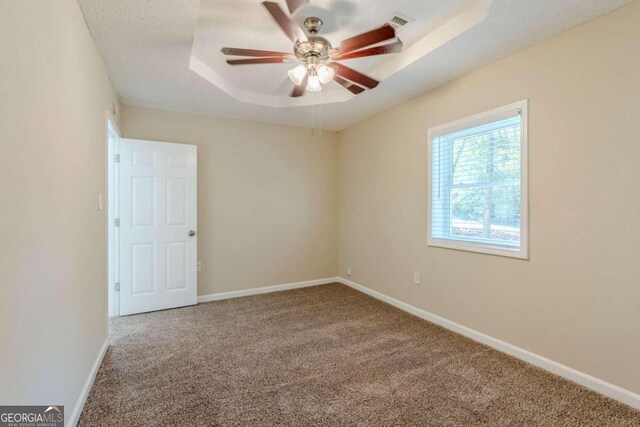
x,y
111,129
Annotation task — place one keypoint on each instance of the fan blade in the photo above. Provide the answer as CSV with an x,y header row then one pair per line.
x,y
296,4
353,88
290,28
394,47
354,76
255,61
299,89
234,51
386,32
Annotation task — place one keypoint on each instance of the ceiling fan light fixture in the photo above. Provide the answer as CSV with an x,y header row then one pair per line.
x,y
298,74
313,85
325,73
315,52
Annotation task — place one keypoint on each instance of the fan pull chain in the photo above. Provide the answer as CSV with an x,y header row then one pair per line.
x,y
313,119
320,114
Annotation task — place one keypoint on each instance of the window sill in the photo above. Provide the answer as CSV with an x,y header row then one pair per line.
x,y
482,248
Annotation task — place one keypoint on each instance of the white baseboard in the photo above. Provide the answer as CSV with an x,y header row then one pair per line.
x,y
265,290
596,384
77,410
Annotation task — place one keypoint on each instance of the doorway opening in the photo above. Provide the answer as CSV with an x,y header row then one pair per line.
x,y
152,224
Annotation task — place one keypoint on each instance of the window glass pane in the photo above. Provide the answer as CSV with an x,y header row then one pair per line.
x,y
490,153
476,184
486,213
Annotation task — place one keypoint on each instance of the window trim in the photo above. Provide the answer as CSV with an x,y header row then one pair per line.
x,y
473,121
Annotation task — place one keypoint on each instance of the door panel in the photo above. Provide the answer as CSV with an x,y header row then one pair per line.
x,y
143,201
176,265
176,201
143,268
158,258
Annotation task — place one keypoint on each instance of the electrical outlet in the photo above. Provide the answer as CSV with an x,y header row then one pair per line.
x,y
199,265
349,271
416,278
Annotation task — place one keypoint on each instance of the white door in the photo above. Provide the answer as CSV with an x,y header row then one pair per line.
x,y
157,215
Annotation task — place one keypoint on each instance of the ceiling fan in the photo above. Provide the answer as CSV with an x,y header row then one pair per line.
x,y
317,58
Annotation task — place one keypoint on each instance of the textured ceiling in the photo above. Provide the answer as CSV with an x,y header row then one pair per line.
x,y
147,46
229,23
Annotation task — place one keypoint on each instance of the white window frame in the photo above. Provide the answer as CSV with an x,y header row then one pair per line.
x,y
470,122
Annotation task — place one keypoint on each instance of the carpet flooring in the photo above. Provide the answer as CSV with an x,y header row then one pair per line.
x,y
326,355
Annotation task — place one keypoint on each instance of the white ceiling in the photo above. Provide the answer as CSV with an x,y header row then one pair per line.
x,y
227,23
149,45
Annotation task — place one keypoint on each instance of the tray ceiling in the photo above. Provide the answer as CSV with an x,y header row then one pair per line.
x,y
229,23
166,54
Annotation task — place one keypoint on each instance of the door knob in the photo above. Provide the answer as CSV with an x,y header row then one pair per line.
x,y
192,233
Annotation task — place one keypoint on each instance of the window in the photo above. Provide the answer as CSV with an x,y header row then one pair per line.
x,y
478,183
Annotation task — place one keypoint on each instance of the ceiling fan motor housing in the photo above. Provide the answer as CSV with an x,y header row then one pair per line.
x,y
316,46
315,49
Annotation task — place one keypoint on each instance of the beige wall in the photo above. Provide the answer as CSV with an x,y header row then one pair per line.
x,y
54,93
267,194
577,300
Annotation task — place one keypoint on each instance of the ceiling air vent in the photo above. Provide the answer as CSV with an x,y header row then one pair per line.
x,y
398,22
